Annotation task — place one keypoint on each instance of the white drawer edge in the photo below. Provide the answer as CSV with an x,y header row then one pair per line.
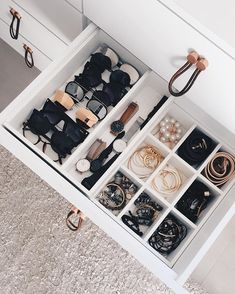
x,y
226,207
76,4
42,79
98,216
204,31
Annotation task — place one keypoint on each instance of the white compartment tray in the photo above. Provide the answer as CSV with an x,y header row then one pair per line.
x,y
147,92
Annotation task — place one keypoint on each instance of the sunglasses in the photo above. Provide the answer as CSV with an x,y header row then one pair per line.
x,y
94,107
45,126
91,77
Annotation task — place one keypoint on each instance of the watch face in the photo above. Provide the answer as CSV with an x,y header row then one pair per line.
x,y
83,165
95,165
119,146
117,126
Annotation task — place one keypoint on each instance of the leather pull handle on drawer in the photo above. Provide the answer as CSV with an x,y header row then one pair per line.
x,y
15,24
193,58
70,223
28,57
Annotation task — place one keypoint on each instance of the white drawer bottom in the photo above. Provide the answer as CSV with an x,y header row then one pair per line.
x,y
64,178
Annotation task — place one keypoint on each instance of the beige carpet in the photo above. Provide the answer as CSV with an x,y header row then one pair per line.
x,y
38,254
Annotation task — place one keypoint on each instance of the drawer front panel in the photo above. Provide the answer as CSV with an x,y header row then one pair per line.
x,y
33,31
60,18
162,40
41,61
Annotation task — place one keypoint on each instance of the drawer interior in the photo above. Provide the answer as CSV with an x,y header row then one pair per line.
x,y
74,65
147,92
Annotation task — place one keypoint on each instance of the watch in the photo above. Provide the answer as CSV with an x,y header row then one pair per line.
x,y
118,125
95,150
89,182
120,144
98,162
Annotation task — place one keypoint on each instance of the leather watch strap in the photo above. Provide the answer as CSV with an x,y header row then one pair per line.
x,y
96,148
129,112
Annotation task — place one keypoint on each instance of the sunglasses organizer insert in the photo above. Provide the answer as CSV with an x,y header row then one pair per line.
x,y
145,200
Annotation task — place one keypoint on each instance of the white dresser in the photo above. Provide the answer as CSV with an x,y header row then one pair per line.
x,y
47,29
154,36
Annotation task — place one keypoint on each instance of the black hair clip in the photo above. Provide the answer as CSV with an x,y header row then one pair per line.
x,y
145,213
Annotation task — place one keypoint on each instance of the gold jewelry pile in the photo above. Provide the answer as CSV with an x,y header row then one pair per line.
x,y
145,160
167,181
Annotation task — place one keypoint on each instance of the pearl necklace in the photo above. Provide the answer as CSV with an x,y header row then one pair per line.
x,y
170,130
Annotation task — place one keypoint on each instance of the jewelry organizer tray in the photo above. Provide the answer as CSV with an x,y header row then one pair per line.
x,y
146,92
190,174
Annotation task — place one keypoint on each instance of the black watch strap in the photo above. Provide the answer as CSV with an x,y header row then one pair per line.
x,y
89,182
97,163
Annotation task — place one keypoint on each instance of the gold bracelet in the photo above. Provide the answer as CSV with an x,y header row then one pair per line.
x,y
146,158
167,181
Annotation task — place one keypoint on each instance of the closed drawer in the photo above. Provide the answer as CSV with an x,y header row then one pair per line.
x,y
35,32
41,61
63,19
177,266
76,4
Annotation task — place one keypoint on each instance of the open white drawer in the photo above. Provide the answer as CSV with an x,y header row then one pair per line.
x,y
174,269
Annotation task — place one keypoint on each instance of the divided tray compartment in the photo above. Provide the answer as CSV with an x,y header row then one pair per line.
x,y
71,64
139,167
118,191
155,205
171,257
204,201
197,144
228,183
181,178
179,116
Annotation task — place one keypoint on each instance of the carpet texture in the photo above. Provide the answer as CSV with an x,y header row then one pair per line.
x,y
38,254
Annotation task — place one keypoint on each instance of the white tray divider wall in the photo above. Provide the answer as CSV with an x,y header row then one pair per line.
x,y
105,124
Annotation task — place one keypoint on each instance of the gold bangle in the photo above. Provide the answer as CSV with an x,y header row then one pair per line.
x,y
162,185
147,158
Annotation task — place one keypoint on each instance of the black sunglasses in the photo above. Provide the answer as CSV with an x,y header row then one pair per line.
x,y
44,125
91,77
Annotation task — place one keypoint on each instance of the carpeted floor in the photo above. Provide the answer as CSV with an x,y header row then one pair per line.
x,y
38,254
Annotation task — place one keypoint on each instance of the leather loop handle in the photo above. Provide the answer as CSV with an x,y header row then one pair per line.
x,y
71,225
16,17
28,57
192,58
